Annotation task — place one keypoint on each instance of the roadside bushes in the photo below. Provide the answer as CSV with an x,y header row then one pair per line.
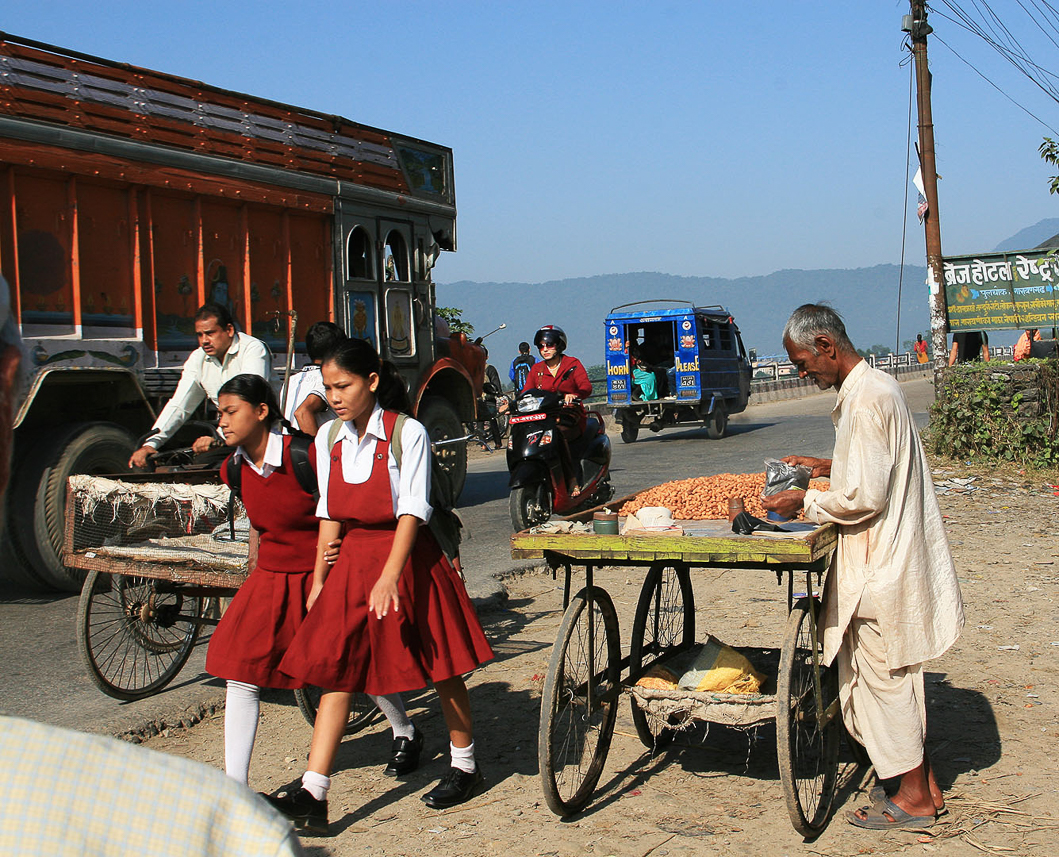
x,y
998,412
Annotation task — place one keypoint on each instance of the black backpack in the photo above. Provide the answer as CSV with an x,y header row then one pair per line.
x,y
299,459
444,521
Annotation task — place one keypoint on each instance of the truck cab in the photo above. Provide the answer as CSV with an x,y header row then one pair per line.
x,y
669,365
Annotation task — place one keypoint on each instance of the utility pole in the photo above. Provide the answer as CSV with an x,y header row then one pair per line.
x,y
918,29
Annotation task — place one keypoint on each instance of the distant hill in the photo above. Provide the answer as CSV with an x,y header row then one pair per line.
x,y
866,297
1031,236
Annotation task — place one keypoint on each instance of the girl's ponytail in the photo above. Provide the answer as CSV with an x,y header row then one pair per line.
x,y
391,393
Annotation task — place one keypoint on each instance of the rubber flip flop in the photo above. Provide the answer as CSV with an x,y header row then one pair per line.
x,y
898,818
878,795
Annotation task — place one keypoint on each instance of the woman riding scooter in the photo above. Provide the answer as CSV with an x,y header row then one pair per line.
x,y
557,372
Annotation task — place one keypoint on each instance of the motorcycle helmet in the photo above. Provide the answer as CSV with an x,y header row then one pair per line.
x,y
552,335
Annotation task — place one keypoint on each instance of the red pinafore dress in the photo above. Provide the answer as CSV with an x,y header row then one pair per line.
x,y
434,636
260,623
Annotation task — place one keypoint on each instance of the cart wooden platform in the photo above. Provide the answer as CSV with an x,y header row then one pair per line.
x,y
587,674
148,595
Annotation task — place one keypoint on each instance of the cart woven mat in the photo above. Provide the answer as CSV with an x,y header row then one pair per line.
x,y
680,709
202,550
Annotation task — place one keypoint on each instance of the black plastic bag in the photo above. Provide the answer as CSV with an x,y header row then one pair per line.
x,y
780,476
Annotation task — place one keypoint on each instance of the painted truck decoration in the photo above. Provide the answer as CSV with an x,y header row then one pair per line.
x,y
696,355
130,197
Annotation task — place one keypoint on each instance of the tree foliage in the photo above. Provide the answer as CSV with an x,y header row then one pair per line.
x,y
1049,150
454,316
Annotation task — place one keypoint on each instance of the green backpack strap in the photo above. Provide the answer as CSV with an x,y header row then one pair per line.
x,y
332,433
395,441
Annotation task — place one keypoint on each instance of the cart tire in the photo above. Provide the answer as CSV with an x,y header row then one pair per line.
x,y
574,739
135,633
664,623
362,710
717,422
630,429
808,755
529,505
442,422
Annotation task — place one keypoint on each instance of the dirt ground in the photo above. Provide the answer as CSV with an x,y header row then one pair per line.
x,y
992,700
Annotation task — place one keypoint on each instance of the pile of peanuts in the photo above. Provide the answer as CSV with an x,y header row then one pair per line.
x,y
706,497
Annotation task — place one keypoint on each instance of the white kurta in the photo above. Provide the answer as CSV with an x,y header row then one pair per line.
x,y
891,536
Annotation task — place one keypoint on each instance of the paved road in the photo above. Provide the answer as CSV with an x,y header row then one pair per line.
x,y
42,677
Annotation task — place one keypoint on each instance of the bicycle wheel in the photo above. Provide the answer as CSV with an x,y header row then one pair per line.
x,y
135,633
807,744
580,701
362,710
664,623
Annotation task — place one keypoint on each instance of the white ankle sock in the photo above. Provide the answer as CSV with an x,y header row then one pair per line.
x,y
462,757
392,706
241,709
316,784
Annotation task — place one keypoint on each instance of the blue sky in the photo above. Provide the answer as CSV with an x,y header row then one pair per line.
x,y
688,138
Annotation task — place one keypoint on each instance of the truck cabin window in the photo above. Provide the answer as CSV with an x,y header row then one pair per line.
x,y
395,258
360,257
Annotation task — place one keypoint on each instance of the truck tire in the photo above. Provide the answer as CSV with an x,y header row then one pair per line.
x,y
717,422
443,423
37,506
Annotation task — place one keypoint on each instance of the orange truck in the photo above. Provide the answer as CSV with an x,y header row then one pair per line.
x,y
129,197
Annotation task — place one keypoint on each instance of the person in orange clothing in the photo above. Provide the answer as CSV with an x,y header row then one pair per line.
x,y
1022,347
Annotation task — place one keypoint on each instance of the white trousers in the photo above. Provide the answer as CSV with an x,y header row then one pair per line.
x,y
885,710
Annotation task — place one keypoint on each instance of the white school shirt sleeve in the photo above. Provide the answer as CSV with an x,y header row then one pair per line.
x,y
323,467
413,479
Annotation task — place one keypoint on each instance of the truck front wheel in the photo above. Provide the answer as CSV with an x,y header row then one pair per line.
x,y
443,423
37,505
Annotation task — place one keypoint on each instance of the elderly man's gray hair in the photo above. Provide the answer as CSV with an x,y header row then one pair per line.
x,y
812,320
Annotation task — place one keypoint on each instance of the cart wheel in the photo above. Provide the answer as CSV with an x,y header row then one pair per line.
x,y
580,701
135,633
362,710
808,753
664,623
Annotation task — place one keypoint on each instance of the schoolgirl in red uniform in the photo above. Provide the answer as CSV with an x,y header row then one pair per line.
x,y
265,613
392,614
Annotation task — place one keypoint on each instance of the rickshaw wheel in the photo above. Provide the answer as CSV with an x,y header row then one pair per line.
x,y
808,753
134,633
717,423
664,624
579,703
362,710
630,429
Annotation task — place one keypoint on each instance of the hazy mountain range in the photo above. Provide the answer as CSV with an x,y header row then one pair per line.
x,y
866,297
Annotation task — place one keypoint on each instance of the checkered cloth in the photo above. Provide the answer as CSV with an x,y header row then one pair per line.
x,y
69,794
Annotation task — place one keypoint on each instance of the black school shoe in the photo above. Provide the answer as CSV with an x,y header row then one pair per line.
x,y
455,787
404,757
302,808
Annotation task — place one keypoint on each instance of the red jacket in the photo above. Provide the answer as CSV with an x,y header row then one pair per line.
x,y
576,382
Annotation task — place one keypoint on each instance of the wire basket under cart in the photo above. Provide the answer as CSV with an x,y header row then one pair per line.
x,y
161,552
587,673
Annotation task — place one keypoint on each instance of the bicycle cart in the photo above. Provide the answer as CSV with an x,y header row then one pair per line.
x,y
587,673
159,550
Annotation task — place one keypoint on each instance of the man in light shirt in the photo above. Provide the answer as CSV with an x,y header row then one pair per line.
x,y
223,353
891,600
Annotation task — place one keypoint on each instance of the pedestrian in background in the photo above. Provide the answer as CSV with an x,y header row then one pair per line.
x,y
1025,343
968,347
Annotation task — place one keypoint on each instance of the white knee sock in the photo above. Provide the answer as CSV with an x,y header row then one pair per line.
x,y
316,784
462,757
392,706
241,709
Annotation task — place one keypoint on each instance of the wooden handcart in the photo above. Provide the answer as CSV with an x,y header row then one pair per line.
x,y
587,674
159,552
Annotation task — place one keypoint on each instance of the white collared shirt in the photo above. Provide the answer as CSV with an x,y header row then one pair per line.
x,y
203,375
308,382
273,453
892,538
409,486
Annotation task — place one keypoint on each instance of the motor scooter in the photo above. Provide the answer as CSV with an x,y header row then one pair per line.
x,y
536,450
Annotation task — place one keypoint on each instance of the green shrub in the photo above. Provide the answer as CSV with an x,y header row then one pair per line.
x,y
998,412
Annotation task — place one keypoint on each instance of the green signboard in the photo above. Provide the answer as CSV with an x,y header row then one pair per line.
x,y
997,291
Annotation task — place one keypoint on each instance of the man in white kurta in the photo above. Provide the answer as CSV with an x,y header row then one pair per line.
x,y
892,600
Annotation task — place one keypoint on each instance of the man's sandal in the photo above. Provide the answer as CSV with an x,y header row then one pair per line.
x,y
886,815
878,794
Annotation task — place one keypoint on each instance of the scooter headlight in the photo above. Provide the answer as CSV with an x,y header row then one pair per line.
x,y
527,404
546,438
